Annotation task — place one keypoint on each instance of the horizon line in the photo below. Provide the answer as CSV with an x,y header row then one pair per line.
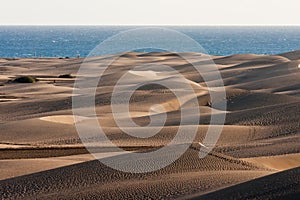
x,y
188,25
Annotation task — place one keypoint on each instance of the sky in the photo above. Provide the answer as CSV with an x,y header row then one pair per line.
x,y
150,12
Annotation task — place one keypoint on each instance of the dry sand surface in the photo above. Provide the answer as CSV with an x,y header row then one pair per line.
x,y
283,185
42,155
280,162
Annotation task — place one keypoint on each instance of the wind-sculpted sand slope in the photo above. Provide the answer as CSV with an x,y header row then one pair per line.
x,y
93,179
283,185
261,132
280,162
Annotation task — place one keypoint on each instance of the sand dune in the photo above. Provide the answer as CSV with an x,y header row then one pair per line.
x,y
294,55
280,162
96,178
283,185
43,155
17,167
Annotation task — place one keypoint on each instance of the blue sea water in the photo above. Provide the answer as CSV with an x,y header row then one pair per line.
x,y
69,41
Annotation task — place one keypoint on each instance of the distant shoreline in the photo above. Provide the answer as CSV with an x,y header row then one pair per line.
x,y
67,57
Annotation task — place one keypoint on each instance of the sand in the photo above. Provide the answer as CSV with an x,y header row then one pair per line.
x,y
280,162
64,119
42,155
17,167
283,185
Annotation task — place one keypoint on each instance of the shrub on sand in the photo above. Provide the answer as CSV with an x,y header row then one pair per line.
x,y
65,76
25,79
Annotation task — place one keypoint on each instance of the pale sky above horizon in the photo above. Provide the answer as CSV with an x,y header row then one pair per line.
x,y
150,12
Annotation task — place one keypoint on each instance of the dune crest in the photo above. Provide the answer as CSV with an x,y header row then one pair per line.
x,y
64,119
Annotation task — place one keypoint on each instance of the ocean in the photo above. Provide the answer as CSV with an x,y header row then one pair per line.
x,y
70,41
